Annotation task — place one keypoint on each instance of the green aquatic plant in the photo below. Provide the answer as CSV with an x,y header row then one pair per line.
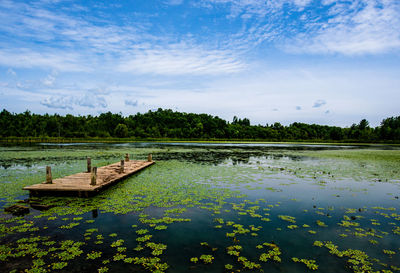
x,y
117,243
321,224
144,238
93,255
309,263
59,265
389,252
396,230
272,254
287,218
160,227
141,231
157,248
69,226
345,223
118,257
318,243
207,259
102,269
139,247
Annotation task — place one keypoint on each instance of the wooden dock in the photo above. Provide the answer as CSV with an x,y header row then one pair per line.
x,y
88,183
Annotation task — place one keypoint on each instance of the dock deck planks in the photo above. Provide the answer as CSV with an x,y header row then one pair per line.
x,y
80,182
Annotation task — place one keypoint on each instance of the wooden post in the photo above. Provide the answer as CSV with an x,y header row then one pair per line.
x,y
126,157
150,158
49,179
93,176
95,213
121,169
89,164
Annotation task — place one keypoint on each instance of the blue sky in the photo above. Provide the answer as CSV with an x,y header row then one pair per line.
x,y
327,62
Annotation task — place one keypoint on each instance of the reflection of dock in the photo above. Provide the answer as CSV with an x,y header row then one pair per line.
x,y
91,182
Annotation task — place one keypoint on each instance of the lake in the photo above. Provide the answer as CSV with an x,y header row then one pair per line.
x,y
207,208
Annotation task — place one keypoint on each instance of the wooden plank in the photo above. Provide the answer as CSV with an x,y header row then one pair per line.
x,y
81,182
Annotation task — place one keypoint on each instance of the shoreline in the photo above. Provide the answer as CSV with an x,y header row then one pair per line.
x,y
22,140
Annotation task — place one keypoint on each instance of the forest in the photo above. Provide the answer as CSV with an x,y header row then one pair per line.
x,y
168,124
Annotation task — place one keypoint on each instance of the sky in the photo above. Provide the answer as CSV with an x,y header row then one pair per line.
x,y
325,62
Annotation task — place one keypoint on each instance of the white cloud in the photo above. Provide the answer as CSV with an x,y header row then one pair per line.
x,y
355,27
91,101
181,59
11,72
319,103
345,27
69,102
58,102
55,59
84,46
49,80
131,103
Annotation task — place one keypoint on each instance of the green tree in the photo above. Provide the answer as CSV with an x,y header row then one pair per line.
x,y
121,130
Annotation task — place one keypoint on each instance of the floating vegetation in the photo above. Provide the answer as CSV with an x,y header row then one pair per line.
x,y
273,253
157,248
321,224
94,255
217,206
287,218
207,259
309,263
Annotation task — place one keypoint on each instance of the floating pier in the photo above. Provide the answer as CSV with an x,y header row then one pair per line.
x,y
89,183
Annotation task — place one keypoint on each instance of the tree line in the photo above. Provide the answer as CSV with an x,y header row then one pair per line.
x,y
165,123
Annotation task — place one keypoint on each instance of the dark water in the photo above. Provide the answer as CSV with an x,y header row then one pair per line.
x,y
200,199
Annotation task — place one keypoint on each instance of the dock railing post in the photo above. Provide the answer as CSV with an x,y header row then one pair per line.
x,y
49,178
126,157
121,168
93,176
150,158
89,164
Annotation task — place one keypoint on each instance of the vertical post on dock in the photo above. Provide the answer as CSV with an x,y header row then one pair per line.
x,y
121,169
93,176
150,158
126,157
89,164
49,178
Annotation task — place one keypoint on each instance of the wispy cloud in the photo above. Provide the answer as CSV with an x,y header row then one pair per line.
x,y
52,59
353,27
181,59
69,102
11,72
54,39
58,102
317,27
131,103
173,2
49,80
